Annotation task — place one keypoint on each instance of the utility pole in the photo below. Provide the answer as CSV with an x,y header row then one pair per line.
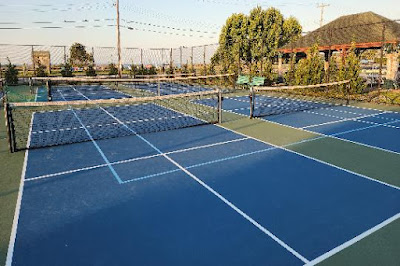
x,y
322,7
118,41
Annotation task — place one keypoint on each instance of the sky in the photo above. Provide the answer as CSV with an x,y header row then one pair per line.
x,y
156,23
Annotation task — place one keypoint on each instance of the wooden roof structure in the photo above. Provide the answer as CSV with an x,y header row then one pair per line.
x,y
367,30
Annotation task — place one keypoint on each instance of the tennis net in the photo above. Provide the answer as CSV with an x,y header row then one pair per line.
x,y
44,124
85,88
268,101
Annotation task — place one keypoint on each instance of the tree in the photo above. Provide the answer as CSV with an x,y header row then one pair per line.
x,y
310,70
352,71
66,70
79,56
90,71
41,71
233,43
254,39
11,74
112,70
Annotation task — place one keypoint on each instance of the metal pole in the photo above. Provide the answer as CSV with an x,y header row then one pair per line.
x,y
381,57
180,57
33,61
191,60
204,60
170,60
65,55
8,121
118,41
141,57
252,99
219,106
48,84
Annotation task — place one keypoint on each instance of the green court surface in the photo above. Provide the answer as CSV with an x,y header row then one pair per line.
x,y
381,247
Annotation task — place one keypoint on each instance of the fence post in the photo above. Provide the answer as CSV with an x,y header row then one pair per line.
x,y
65,55
33,61
191,60
381,57
204,60
180,58
170,60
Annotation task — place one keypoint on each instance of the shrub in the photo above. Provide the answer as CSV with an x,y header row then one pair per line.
x,y
66,70
11,74
112,70
90,71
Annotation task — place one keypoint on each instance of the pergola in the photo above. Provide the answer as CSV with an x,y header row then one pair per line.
x,y
366,30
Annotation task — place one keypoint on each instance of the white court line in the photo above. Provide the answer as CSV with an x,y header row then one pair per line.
x,y
13,236
342,120
117,177
132,160
353,241
357,238
36,94
315,159
327,136
243,214
387,124
251,220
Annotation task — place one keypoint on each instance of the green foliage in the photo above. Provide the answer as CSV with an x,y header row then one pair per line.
x,y
136,70
332,73
66,70
79,56
289,76
11,74
185,69
211,70
41,71
90,71
309,70
170,70
113,70
254,38
352,71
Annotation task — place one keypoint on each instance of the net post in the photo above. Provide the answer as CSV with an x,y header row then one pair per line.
x,y
9,127
31,85
219,108
48,85
158,87
251,96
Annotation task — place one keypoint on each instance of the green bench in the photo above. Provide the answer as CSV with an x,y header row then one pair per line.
x,y
243,80
257,81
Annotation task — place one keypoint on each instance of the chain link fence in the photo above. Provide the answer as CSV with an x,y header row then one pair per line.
x,y
23,56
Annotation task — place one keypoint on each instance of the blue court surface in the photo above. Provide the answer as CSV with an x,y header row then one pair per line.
x,y
373,128
85,92
41,95
164,88
192,196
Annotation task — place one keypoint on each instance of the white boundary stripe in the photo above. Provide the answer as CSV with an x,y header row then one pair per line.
x,y
353,241
239,211
117,177
244,215
13,236
327,136
314,159
251,220
36,94
343,120
132,160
